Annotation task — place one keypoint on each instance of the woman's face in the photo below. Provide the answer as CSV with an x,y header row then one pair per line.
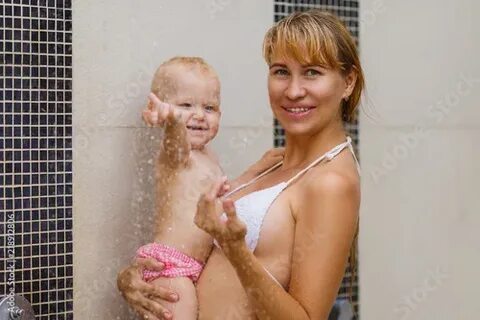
x,y
305,98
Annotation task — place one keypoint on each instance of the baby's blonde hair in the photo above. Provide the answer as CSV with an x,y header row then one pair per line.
x,y
321,38
163,83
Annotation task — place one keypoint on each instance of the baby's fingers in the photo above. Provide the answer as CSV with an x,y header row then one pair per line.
x,y
150,117
146,117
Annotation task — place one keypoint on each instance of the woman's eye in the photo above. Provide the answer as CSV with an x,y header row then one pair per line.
x,y
312,73
185,105
280,72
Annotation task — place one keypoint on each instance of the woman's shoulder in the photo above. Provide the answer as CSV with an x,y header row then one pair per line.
x,y
325,183
336,175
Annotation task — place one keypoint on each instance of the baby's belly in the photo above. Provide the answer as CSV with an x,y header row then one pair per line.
x,y
220,293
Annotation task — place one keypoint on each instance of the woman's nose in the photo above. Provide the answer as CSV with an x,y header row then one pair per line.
x,y
295,89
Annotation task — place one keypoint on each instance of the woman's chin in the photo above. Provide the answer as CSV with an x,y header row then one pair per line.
x,y
297,129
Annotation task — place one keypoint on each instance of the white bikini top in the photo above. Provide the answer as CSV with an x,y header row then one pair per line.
x,y
253,207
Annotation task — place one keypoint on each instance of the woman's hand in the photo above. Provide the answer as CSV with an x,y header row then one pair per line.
x,y
157,112
268,160
139,293
208,217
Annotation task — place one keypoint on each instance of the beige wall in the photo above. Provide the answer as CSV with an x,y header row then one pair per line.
x,y
419,247
117,46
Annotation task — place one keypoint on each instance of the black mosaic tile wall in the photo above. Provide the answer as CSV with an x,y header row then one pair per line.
x,y
36,154
348,11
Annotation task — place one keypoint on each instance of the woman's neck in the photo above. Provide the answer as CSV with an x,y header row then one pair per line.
x,y
302,150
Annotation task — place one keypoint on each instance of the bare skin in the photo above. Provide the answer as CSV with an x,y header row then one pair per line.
x,y
308,230
219,290
184,171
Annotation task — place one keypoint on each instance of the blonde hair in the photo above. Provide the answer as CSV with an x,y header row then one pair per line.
x,y
321,38
163,83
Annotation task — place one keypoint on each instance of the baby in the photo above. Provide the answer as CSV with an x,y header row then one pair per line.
x,y
185,101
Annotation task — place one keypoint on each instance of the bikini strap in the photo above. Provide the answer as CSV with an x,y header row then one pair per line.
x,y
246,184
329,155
355,157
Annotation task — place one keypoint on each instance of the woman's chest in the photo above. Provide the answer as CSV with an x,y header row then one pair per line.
x,y
276,239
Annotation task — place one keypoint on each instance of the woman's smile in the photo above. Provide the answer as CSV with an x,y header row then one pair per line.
x,y
297,112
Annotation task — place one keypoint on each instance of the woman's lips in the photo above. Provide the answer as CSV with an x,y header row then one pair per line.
x,y
297,113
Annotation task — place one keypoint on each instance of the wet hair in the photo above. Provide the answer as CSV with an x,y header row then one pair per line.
x,y
320,38
163,83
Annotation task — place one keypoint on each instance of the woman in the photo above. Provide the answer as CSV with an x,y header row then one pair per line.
x,y
281,251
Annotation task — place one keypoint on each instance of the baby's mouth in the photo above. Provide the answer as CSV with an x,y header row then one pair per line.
x,y
197,128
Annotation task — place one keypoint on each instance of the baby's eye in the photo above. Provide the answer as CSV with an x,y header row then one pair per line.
x,y
185,105
312,73
210,108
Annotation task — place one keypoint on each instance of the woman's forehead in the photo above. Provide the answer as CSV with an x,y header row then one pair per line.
x,y
301,56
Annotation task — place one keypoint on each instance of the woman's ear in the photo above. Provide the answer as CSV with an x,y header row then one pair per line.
x,y
350,80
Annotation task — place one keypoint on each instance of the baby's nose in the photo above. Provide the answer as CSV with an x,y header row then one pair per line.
x,y
199,113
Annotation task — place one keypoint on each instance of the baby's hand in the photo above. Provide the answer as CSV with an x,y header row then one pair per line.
x,y
158,112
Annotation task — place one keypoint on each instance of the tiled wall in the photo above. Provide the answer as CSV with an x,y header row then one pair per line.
x,y
348,11
36,154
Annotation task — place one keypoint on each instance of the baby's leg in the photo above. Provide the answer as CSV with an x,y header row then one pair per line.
x,y
186,307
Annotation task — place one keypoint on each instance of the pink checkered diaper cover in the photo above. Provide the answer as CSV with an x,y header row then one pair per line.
x,y
177,264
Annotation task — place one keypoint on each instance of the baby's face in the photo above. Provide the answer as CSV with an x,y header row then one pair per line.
x,y
197,94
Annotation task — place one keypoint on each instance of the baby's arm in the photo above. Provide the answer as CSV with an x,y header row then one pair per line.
x,y
175,149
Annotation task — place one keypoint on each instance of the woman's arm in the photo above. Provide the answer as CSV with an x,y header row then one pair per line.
x,y
324,232
144,297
